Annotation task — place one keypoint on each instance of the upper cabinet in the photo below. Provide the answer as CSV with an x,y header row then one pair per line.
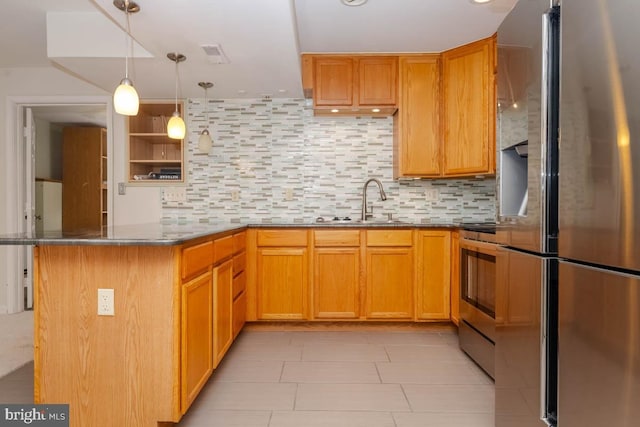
x,y
417,138
153,157
351,84
445,125
469,109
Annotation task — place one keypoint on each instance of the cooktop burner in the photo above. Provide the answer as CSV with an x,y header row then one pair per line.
x,y
334,219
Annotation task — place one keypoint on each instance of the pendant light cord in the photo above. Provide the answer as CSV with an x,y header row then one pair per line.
x,y
126,40
177,61
206,106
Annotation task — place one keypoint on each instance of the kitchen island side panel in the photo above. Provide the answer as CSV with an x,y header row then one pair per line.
x,y
119,370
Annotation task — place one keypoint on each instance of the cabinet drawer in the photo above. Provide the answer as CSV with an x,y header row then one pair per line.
x,y
282,238
239,263
239,242
196,259
336,238
389,238
239,284
222,248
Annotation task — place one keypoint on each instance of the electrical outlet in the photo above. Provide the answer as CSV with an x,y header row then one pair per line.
x,y
174,194
105,302
235,196
432,195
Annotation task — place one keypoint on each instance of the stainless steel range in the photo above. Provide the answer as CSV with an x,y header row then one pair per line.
x,y
477,293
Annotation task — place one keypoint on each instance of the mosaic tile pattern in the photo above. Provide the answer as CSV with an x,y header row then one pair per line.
x,y
274,161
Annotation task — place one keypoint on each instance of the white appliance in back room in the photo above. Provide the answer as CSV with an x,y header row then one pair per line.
x,y
599,206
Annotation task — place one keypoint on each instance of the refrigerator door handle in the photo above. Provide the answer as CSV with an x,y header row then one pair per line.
x,y
544,303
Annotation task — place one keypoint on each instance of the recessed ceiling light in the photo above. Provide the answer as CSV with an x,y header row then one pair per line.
x,y
375,110
353,2
480,1
335,110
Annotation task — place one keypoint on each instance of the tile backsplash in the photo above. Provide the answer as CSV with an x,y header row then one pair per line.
x,y
274,161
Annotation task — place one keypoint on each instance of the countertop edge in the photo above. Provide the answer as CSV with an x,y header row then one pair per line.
x,y
214,231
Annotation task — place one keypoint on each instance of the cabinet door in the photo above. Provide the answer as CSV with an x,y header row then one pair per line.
x,y
417,139
282,280
378,81
196,337
389,283
333,83
469,109
434,273
222,305
336,283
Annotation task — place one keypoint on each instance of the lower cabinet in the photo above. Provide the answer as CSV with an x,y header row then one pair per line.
x,y
389,282
196,337
433,270
222,310
336,283
282,282
348,274
455,277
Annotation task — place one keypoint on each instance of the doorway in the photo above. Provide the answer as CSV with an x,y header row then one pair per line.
x,y
34,164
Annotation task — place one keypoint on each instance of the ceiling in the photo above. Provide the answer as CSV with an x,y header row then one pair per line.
x,y
262,39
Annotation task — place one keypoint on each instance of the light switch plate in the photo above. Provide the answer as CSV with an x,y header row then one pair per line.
x,y
174,194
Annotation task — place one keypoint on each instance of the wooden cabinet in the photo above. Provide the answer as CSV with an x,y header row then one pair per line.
x,y
337,275
239,310
196,337
84,178
153,157
348,84
433,270
222,310
389,274
469,109
282,270
455,277
417,138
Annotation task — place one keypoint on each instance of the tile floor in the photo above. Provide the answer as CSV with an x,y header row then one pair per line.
x,y
337,377
346,378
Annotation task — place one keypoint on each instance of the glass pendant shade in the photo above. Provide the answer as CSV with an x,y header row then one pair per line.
x,y
205,142
176,128
125,99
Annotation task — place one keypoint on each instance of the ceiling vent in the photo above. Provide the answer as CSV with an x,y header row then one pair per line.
x,y
215,54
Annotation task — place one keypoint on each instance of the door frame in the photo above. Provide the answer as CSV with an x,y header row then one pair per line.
x,y
16,187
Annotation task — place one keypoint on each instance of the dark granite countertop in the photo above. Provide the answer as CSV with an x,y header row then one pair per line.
x,y
176,234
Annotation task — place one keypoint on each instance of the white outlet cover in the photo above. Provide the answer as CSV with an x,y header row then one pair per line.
x,y
432,195
106,302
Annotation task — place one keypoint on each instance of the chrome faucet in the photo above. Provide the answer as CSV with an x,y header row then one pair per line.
x,y
366,214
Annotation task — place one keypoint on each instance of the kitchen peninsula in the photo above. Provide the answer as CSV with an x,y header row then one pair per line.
x,y
181,295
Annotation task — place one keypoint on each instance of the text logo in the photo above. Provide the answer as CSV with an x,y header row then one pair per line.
x,y
34,415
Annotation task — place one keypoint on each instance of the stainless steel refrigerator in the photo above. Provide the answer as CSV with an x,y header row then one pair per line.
x,y
599,205
527,264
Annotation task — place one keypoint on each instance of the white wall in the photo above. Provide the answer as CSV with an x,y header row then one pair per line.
x,y
139,205
48,150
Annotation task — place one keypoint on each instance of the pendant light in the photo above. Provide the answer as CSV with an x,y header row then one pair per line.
x,y
204,140
176,128
125,97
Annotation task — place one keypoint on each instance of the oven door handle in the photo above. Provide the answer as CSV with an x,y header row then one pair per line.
x,y
481,247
